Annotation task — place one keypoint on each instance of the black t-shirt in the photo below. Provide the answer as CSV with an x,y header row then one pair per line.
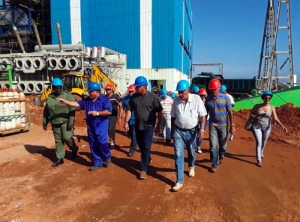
x,y
145,109
115,100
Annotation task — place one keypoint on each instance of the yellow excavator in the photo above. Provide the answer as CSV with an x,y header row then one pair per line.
x,y
78,84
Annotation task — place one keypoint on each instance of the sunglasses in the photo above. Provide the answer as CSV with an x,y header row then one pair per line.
x,y
107,89
267,98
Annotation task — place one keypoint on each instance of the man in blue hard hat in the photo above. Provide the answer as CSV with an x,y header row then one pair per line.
x,y
97,108
145,105
173,95
61,118
166,103
195,90
224,91
186,112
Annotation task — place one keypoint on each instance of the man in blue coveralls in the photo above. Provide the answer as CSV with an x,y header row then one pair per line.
x,y
97,111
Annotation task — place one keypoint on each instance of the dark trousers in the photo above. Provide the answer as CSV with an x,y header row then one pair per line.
x,y
144,140
132,135
112,128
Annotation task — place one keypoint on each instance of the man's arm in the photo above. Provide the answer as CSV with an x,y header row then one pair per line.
x,y
45,117
67,102
100,113
71,113
120,112
232,126
127,118
159,116
172,126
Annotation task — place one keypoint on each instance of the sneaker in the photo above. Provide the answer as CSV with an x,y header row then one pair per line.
x,y
221,159
107,162
192,172
177,187
259,164
168,141
74,153
213,169
111,146
262,156
130,154
143,175
199,150
93,168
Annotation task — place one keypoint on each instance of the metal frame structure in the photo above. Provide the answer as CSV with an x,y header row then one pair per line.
x,y
268,66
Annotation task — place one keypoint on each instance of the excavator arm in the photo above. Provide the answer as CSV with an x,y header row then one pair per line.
x,y
98,75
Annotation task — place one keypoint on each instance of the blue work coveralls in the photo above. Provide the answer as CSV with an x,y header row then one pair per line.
x,y
97,127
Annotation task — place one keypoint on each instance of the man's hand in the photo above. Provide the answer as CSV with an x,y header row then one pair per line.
x,y
70,127
61,101
45,127
201,135
157,129
93,113
126,127
232,130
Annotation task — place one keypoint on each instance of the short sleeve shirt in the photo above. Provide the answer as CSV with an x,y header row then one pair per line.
x,y
124,105
231,99
115,100
218,108
167,105
101,104
145,109
187,115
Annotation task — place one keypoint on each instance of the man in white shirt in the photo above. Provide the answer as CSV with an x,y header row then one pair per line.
x,y
166,103
224,91
186,112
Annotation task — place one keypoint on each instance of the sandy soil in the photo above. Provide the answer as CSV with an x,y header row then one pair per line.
x,y
31,190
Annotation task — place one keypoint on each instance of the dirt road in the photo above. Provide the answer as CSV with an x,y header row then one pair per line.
x,y
31,190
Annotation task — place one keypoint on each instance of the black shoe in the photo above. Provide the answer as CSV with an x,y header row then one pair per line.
x,y
111,146
168,141
74,153
107,162
130,154
221,159
95,168
58,162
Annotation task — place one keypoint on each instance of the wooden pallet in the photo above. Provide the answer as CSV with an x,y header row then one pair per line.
x,y
12,131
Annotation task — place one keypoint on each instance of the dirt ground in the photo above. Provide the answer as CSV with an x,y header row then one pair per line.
x,y
31,190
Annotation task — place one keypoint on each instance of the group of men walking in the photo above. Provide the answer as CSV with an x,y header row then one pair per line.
x,y
183,118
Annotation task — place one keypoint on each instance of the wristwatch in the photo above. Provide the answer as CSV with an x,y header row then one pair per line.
x,y
232,124
97,113
202,130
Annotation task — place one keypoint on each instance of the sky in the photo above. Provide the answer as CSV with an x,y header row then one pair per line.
x,y
231,32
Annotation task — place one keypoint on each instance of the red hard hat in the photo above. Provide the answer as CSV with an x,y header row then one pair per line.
x,y
214,84
169,92
202,92
108,86
131,88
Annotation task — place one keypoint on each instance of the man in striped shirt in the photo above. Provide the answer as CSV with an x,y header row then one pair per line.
x,y
218,107
166,102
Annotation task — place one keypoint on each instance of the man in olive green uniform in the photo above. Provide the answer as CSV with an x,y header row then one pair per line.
x,y
61,118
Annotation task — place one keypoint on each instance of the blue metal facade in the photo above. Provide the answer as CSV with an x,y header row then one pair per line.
x,y
116,24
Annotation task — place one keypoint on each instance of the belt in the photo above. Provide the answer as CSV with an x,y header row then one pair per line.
x,y
185,129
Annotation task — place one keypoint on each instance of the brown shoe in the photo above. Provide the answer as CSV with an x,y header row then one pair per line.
x,y
259,164
262,156
143,175
213,169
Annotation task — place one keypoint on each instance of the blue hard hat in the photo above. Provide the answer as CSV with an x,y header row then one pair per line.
x,y
223,88
267,93
140,81
173,95
182,85
195,89
57,82
93,86
164,93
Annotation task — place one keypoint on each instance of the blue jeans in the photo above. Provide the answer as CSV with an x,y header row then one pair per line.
x,y
217,138
144,140
199,143
166,127
182,138
261,136
132,135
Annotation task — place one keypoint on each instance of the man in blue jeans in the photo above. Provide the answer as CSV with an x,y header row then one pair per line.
x,y
166,103
145,105
218,107
131,123
186,112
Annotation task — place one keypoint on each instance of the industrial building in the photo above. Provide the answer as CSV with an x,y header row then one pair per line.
x,y
155,35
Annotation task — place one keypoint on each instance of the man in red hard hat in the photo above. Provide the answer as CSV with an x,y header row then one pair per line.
x,y
115,116
218,107
131,122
